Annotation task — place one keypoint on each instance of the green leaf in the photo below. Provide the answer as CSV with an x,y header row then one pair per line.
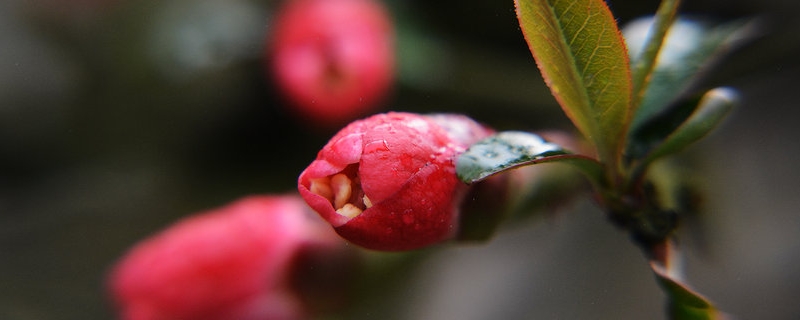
x,y
690,48
582,57
712,108
683,302
526,192
510,149
642,64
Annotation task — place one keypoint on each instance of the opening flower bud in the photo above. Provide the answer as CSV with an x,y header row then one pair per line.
x,y
388,182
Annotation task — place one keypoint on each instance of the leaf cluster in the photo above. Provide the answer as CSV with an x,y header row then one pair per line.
x,y
633,99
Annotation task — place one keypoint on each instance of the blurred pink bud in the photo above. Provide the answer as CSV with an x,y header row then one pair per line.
x,y
234,262
388,182
333,59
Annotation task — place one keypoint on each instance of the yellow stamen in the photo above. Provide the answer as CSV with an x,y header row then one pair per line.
x,y
322,187
342,190
367,202
349,210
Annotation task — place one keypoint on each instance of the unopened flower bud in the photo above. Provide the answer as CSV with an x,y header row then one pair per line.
x,y
233,262
333,59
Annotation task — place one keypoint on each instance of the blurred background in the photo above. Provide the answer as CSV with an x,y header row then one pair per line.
x,y
118,117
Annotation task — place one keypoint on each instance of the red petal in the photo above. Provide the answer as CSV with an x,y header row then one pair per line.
x,y
421,213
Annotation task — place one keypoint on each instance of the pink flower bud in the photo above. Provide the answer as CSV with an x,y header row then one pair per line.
x,y
233,262
333,59
388,182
